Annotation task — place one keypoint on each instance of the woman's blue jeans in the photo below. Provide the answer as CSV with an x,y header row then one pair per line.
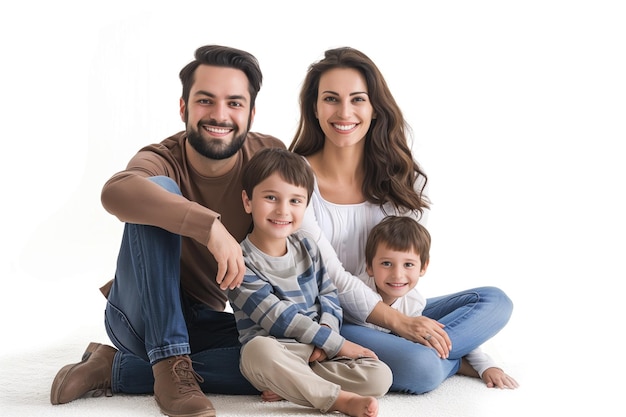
x,y
148,318
471,318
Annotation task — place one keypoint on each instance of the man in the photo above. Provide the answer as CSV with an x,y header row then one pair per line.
x,y
181,204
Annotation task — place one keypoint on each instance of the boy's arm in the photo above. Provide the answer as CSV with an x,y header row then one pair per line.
x,y
357,300
331,313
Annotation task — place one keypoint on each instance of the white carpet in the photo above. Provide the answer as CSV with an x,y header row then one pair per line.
x,y
30,362
25,390
65,321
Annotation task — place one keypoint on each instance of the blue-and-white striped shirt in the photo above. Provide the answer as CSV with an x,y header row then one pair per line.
x,y
288,297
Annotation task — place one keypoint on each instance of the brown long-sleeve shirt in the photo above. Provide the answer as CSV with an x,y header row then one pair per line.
x,y
131,197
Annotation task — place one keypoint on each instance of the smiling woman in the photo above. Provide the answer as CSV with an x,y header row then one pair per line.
x,y
344,112
354,136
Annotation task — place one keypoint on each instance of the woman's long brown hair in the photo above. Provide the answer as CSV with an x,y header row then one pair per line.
x,y
390,169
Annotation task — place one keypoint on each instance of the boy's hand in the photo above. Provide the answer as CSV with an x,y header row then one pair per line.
x,y
496,378
318,355
354,351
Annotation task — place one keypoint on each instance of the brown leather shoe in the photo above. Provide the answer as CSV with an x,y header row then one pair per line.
x,y
93,372
176,389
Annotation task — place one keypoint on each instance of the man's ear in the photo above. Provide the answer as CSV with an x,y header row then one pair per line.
x,y
183,107
424,268
252,114
246,202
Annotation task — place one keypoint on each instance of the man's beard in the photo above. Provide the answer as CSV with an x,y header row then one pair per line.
x,y
214,148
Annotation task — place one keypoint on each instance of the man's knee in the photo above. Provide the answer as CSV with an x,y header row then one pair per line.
x,y
167,183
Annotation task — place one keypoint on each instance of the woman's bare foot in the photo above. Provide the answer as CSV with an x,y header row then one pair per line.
x,y
355,405
467,369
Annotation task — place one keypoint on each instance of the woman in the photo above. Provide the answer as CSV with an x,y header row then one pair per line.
x,y
353,135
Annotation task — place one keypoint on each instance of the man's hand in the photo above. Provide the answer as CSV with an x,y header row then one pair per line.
x,y
229,257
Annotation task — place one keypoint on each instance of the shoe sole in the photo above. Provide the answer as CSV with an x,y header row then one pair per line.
x,y
204,413
59,379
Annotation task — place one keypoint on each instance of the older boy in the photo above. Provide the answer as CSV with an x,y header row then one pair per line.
x,y
287,308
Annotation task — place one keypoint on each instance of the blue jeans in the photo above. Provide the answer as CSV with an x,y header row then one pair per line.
x,y
148,318
471,318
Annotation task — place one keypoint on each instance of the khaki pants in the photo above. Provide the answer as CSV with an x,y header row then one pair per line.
x,y
284,368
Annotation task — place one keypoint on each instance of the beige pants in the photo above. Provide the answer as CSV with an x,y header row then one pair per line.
x,y
284,368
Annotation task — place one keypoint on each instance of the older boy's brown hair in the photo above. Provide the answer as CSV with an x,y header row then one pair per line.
x,y
291,167
399,233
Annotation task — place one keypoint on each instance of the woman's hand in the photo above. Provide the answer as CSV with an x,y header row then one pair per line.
x,y
423,330
429,333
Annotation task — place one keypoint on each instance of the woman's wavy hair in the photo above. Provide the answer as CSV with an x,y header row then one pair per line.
x,y
390,170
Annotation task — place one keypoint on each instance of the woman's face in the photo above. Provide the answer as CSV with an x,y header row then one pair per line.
x,y
343,107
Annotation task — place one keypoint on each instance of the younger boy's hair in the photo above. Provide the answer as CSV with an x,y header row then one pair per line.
x,y
399,233
291,167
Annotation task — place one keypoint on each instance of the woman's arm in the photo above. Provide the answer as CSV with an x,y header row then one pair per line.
x,y
356,298
420,329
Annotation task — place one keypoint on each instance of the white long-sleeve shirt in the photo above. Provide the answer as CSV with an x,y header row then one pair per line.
x,y
412,304
340,231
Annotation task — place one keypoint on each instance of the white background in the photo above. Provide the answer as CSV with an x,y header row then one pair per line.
x,y
518,115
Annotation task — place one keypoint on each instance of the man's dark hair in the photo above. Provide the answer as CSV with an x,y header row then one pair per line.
x,y
223,56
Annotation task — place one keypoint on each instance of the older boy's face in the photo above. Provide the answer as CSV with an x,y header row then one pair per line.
x,y
395,272
277,209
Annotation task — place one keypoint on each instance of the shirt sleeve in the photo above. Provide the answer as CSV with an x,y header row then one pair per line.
x,y
480,361
331,312
133,198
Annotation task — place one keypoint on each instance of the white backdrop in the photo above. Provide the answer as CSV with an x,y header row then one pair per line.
x,y
518,115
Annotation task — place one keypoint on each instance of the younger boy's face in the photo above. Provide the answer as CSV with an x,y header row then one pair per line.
x,y
277,208
395,272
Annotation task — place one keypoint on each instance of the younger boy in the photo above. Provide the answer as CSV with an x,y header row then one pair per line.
x,y
397,254
287,308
